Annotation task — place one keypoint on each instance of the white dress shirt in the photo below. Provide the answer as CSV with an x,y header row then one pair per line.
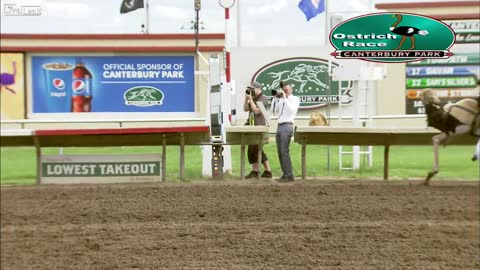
x,y
285,108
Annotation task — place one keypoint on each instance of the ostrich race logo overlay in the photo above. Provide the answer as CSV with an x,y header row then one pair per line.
x,y
309,78
143,96
392,38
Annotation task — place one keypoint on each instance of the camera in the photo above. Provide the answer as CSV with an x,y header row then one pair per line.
x,y
250,91
279,92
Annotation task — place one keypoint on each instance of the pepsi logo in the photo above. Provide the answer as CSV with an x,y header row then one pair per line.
x,y
58,84
78,86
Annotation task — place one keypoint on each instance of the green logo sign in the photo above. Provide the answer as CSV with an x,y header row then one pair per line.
x,y
392,38
309,78
143,96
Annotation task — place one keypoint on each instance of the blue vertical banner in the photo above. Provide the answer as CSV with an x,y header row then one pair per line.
x,y
104,84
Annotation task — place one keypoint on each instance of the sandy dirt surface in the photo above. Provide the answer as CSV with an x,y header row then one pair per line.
x,y
242,225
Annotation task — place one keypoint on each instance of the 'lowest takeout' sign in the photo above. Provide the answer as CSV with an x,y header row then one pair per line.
x,y
100,168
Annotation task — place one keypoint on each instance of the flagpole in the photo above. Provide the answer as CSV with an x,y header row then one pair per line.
x,y
239,32
326,23
147,17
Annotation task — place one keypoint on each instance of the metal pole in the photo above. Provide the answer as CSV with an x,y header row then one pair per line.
x,y
326,23
197,6
239,30
147,17
196,30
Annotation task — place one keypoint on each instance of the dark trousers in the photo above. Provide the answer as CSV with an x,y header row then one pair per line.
x,y
253,154
284,134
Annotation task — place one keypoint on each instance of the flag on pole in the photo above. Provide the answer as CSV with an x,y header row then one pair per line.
x,y
311,8
130,5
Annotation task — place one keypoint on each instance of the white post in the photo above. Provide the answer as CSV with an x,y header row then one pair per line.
x,y
225,109
356,123
228,89
226,93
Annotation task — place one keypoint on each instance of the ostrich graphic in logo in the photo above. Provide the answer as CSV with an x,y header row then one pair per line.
x,y
301,73
406,31
392,38
8,79
143,96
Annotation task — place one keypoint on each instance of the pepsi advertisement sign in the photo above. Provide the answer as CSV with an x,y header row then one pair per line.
x,y
113,84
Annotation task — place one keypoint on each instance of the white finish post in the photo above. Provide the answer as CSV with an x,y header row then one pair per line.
x,y
227,153
356,123
226,94
220,104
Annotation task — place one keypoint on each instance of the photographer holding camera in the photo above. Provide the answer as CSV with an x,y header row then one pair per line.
x,y
284,106
253,94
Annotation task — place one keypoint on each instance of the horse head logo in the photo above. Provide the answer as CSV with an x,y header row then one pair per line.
x,y
301,73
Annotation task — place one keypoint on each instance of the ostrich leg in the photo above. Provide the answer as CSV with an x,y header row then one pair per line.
x,y
436,140
11,90
401,43
412,39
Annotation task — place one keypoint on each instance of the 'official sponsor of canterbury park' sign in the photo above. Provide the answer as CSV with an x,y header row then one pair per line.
x,y
309,79
392,37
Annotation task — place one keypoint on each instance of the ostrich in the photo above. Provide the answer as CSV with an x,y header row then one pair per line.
x,y
406,31
7,79
455,119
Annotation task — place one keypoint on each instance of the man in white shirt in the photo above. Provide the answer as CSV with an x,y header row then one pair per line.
x,y
285,106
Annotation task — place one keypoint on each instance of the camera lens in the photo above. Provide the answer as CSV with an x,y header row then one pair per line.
x,y
274,92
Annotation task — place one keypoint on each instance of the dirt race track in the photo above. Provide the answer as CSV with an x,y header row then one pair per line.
x,y
242,225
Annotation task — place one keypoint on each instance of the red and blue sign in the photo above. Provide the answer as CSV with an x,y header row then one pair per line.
x,y
67,84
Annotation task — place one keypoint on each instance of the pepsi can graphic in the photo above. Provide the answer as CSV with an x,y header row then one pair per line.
x,y
58,78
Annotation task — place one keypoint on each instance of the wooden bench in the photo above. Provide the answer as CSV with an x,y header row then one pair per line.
x,y
193,135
